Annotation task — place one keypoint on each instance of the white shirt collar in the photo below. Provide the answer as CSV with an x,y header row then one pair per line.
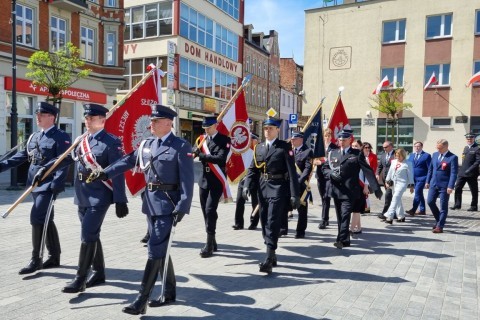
x,y
48,129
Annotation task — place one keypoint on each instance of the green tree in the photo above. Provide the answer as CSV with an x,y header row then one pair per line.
x,y
390,102
57,71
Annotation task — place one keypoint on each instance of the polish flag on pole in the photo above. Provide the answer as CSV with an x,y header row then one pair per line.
x,y
431,81
383,83
473,79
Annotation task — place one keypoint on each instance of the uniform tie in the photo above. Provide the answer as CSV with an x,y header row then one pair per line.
x,y
42,134
90,137
343,152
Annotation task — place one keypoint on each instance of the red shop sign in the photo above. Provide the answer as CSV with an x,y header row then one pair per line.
x,y
26,86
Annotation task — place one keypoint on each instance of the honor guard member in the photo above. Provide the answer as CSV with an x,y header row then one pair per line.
x,y
166,161
211,188
343,167
303,166
273,171
468,173
43,147
97,150
240,201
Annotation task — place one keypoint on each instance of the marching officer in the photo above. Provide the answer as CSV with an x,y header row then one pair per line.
x,y
168,167
43,146
303,165
216,147
95,151
273,171
468,173
240,201
343,167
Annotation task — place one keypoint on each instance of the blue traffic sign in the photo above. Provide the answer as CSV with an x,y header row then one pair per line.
x,y
293,118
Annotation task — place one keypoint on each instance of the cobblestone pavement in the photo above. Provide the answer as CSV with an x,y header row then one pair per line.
x,y
399,271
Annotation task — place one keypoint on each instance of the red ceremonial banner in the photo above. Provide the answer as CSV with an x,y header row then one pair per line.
x,y
131,123
338,119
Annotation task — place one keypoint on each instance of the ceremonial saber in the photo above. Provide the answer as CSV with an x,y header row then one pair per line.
x,y
54,165
45,225
255,211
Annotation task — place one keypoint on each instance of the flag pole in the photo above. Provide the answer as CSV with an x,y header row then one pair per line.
x,y
310,119
244,84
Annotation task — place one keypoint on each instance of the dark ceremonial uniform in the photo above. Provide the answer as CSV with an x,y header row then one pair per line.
x,y
303,161
93,153
168,168
43,148
273,170
468,173
345,188
323,184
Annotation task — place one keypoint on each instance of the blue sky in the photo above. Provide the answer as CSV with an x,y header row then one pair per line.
x,y
287,17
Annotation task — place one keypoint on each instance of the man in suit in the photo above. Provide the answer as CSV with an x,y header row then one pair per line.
x,y
240,201
421,162
273,170
323,183
441,177
168,168
43,147
303,166
383,167
216,147
343,167
97,150
468,173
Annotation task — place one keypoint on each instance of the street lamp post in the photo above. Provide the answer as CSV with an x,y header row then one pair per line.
x,y
14,114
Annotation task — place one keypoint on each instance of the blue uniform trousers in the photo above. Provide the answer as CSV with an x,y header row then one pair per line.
x,y
159,228
91,219
439,214
41,201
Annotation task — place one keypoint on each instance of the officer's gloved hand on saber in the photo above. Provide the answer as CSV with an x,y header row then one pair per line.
x,y
177,216
38,176
121,209
97,175
295,202
378,194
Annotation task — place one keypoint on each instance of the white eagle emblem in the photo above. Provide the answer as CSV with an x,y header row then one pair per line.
x,y
239,136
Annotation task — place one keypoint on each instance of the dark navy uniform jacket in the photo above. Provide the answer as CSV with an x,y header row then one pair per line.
x,y
350,165
219,148
303,160
470,161
279,161
171,164
43,150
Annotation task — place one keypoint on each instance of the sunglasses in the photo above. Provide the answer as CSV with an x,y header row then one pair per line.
x,y
367,147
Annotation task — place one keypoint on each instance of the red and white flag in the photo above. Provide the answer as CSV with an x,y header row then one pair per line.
x,y
383,83
131,120
338,119
431,81
473,79
235,125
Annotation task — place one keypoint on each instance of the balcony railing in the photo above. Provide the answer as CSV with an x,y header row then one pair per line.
x,y
70,5
332,3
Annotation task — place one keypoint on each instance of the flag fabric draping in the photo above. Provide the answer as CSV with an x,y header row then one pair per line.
x,y
473,79
338,119
431,81
384,83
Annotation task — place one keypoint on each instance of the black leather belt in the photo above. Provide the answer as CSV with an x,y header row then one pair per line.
x,y
270,176
162,187
207,169
82,176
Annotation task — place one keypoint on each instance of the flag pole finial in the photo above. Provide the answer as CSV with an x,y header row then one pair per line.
x,y
340,89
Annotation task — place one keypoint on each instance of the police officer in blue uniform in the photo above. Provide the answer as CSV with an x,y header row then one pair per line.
x,y
43,147
211,188
168,167
303,165
95,151
273,171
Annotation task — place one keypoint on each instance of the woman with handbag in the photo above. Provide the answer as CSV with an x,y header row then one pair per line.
x,y
399,177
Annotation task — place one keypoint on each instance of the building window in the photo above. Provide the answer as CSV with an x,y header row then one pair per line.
x,y
58,33
395,76
247,67
439,26
394,31
87,44
111,49
24,26
230,7
111,3
404,134
135,70
148,21
265,98
441,123
442,73
196,27
226,42
265,71
356,125
475,125
253,95
254,65
477,22
259,69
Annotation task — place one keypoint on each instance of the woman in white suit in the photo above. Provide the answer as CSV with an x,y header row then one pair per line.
x,y
399,177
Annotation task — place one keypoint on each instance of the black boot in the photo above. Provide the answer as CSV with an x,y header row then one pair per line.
x,y
53,246
170,286
146,238
207,250
87,252
98,268
139,306
35,263
215,247
267,265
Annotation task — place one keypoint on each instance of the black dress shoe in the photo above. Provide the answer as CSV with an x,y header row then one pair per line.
x,y
411,212
341,245
159,303
401,220
388,221
252,227
323,225
283,232
237,227
471,209
51,262
381,216
299,236
455,208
